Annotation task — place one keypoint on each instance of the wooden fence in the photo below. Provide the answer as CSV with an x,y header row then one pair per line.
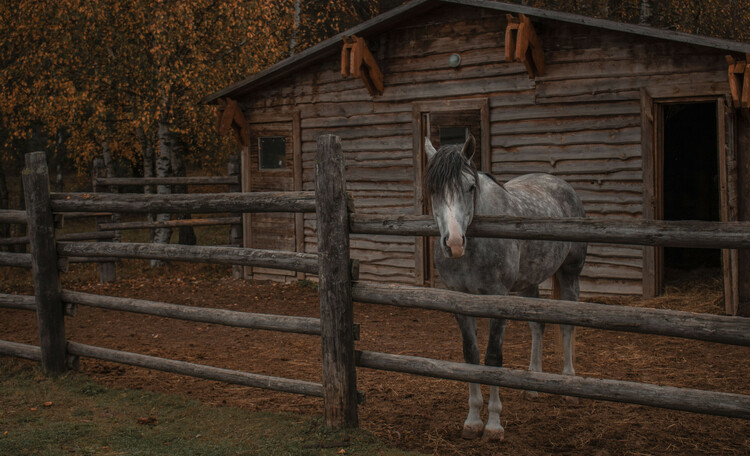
x,y
338,289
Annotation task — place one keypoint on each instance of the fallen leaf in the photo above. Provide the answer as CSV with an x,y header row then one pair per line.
x,y
48,404
342,451
34,409
150,421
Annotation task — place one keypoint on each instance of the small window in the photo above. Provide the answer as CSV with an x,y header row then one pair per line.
x,y
272,152
453,135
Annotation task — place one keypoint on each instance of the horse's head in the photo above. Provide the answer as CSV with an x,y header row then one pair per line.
x,y
450,181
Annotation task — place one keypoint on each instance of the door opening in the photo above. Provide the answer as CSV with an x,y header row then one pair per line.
x,y
691,183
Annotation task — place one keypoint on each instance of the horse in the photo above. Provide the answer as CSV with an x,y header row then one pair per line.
x,y
493,266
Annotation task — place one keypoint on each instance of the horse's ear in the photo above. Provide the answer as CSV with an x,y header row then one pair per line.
x,y
429,149
469,147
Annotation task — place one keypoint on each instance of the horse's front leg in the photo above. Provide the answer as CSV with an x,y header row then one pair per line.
x,y
494,357
473,426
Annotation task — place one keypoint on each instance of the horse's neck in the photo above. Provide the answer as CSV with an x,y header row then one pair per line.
x,y
493,198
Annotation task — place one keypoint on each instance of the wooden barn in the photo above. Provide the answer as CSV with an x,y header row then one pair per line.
x,y
644,123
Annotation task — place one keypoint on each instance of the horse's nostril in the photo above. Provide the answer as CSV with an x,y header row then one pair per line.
x,y
463,239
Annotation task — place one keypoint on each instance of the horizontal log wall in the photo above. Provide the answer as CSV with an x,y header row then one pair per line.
x,y
669,397
580,121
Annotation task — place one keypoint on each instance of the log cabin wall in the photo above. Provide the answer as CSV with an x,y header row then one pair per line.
x,y
581,121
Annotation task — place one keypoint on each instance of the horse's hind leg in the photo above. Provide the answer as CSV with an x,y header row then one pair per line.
x,y
567,277
494,357
568,280
473,426
537,336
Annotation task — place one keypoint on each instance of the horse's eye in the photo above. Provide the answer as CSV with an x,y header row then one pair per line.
x,y
472,188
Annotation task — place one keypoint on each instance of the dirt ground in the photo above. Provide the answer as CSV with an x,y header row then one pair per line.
x,y
407,411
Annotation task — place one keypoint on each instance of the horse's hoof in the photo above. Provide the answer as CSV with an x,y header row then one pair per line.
x,y
493,435
531,395
572,400
472,432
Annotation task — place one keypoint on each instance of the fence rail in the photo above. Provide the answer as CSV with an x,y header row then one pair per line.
x,y
25,351
282,323
713,328
690,400
12,216
191,180
197,370
171,223
293,261
694,234
16,260
301,201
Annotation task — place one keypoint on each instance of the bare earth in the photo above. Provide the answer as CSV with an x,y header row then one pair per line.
x,y
407,411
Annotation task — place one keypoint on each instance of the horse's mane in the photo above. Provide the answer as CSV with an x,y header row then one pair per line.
x,y
444,171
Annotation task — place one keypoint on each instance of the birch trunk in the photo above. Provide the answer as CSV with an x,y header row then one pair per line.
x,y
147,150
186,233
4,228
645,16
109,164
163,235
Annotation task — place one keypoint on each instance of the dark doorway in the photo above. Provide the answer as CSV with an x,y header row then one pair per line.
x,y
691,181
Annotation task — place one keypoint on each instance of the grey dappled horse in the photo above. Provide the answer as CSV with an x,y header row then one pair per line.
x,y
491,266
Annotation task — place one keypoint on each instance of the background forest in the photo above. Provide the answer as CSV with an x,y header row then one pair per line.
x,y
122,79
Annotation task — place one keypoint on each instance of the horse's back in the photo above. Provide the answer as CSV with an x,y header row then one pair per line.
x,y
544,195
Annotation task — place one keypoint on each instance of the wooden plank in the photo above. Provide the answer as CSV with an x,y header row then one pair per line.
x,y
197,370
50,310
671,323
745,100
336,313
651,283
188,203
690,400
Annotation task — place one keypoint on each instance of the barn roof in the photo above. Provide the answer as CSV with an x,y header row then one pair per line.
x,y
384,21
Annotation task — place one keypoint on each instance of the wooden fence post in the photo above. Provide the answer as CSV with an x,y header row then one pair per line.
x,y
41,227
235,231
107,271
335,287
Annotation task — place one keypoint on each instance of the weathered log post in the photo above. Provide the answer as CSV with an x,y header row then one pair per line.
x,y
41,228
107,271
235,230
335,287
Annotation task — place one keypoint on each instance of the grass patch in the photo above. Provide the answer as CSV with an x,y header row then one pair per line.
x,y
71,415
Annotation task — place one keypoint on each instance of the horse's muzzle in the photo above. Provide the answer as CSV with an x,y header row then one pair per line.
x,y
453,246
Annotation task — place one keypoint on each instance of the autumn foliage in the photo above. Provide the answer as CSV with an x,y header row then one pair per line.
x,y
79,77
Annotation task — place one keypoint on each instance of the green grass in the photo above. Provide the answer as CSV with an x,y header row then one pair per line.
x,y
71,415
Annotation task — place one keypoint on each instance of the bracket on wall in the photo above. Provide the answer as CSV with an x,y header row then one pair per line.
x,y
229,115
739,81
522,44
357,61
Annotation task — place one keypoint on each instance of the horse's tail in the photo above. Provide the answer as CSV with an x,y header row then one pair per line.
x,y
559,349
